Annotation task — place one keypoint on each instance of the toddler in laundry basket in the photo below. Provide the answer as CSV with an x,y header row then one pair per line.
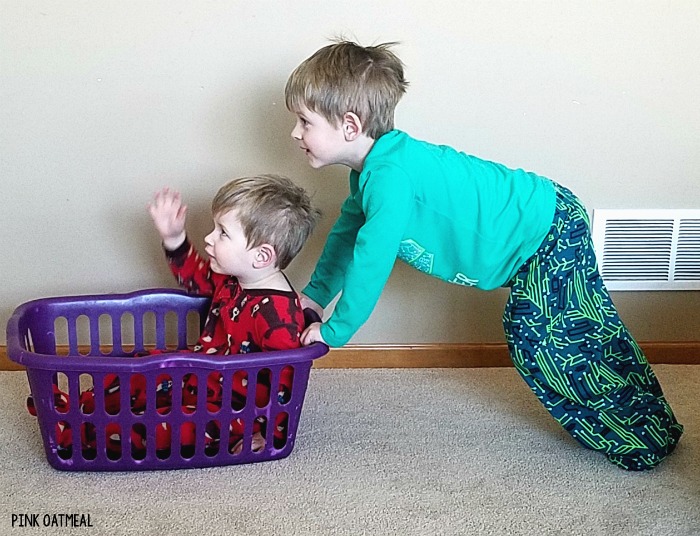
x,y
475,223
260,224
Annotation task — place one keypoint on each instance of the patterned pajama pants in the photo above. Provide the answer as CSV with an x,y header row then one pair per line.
x,y
571,348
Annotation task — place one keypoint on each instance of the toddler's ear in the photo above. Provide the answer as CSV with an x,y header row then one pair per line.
x,y
265,256
352,126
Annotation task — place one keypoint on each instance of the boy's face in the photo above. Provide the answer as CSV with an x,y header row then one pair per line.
x,y
322,142
227,247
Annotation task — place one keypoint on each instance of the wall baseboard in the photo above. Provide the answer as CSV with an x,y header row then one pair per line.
x,y
467,355
471,355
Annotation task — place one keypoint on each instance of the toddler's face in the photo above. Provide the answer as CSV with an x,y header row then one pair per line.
x,y
322,142
227,247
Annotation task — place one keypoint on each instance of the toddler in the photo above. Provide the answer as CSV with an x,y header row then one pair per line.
x,y
260,224
476,223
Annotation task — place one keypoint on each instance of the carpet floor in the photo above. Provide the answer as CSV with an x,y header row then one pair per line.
x,y
378,452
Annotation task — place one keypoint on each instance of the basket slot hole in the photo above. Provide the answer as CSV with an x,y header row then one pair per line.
x,y
280,433
113,440
284,390
163,440
152,332
28,340
259,438
138,441
164,394
88,439
212,434
61,393
235,436
82,327
126,322
172,331
188,435
189,393
104,323
262,388
215,382
64,440
112,394
60,329
194,328
239,390
87,394
137,394
86,381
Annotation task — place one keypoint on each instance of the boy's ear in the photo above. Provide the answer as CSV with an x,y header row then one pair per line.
x,y
265,256
351,125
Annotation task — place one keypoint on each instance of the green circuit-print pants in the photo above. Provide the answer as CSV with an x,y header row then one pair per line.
x,y
568,343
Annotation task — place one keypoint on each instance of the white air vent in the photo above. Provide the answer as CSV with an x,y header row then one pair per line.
x,y
648,249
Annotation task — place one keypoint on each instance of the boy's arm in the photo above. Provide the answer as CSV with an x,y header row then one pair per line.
x,y
192,272
387,204
329,274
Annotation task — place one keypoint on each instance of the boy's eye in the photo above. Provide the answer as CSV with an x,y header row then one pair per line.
x,y
222,233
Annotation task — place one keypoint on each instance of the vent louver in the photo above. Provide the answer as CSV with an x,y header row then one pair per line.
x,y
648,249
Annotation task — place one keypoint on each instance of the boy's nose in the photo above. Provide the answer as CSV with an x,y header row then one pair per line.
x,y
208,239
296,132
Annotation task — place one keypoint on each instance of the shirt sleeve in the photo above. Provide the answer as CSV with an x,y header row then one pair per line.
x,y
387,200
329,274
192,272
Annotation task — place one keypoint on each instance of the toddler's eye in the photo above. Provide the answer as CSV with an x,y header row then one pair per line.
x,y
222,233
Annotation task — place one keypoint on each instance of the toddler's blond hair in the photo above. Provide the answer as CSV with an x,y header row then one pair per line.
x,y
272,210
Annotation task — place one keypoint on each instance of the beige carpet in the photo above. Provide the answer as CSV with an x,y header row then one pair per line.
x,y
406,452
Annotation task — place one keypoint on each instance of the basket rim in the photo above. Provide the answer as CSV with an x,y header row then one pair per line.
x,y
108,363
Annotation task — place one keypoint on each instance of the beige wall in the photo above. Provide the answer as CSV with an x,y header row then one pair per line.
x,y
105,102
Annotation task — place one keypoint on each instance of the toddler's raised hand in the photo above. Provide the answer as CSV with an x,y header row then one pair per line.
x,y
169,216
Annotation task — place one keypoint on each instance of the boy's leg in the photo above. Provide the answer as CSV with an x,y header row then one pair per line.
x,y
570,346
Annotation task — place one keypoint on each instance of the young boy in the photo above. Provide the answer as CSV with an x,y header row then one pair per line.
x,y
475,223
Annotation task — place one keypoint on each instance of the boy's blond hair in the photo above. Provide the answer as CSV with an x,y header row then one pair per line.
x,y
346,77
272,210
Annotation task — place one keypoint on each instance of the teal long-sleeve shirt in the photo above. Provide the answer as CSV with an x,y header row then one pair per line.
x,y
451,215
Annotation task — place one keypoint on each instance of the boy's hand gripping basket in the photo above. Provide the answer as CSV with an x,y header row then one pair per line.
x,y
170,409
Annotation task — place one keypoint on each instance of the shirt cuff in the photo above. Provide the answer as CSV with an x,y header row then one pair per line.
x,y
180,251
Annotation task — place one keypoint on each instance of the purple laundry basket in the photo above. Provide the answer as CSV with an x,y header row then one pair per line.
x,y
32,334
